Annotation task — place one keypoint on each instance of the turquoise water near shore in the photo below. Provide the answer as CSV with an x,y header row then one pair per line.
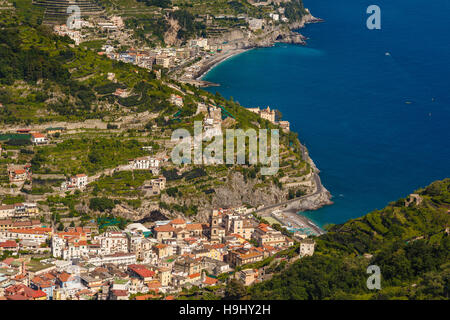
x,y
375,124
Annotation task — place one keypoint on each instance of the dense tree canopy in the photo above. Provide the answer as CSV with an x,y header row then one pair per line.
x,y
410,244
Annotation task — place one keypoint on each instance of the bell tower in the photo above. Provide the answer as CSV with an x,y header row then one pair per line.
x,y
214,226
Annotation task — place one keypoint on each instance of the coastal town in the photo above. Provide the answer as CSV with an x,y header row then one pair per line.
x,y
186,61
160,261
125,174
51,252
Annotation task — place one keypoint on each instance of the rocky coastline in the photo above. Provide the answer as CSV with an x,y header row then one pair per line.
x,y
269,200
268,39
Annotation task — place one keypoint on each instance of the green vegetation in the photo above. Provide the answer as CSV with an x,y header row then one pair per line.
x,y
8,199
101,204
84,155
123,183
46,78
294,10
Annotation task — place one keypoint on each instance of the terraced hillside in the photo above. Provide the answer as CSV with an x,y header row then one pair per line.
x,y
56,10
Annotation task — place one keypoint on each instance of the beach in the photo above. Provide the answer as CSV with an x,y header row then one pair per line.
x,y
217,59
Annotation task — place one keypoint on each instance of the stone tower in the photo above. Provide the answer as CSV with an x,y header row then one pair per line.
x,y
214,226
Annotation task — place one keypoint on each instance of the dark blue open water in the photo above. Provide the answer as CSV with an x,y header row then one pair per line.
x,y
367,118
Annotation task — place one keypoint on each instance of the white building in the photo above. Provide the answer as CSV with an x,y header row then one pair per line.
x,y
201,43
7,211
39,235
307,247
112,242
144,163
79,181
275,16
176,100
117,258
38,138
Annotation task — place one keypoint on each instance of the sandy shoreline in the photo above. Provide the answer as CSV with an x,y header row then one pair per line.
x,y
303,222
216,60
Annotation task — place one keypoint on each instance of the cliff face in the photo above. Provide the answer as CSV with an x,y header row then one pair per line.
x,y
268,36
170,37
238,191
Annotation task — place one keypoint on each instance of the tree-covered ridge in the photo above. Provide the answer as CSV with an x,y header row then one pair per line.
x,y
395,222
409,243
44,77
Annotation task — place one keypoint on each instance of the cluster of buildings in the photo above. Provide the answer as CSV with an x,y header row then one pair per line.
x,y
276,15
72,33
176,100
146,58
156,261
154,186
18,210
39,138
141,58
74,30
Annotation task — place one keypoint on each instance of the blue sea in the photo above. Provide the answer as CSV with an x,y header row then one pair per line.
x,y
371,106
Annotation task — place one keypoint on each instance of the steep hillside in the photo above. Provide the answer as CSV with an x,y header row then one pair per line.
x,y
47,81
408,240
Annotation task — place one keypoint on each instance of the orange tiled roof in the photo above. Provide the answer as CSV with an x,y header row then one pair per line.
x,y
165,228
70,233
8,261
64,277
178,221
120,293
210,281
194,226
249,255
141,270
8,244
154,285
38,135
31,231
145,297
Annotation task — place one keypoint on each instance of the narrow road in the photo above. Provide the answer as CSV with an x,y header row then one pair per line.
x,y
319,190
